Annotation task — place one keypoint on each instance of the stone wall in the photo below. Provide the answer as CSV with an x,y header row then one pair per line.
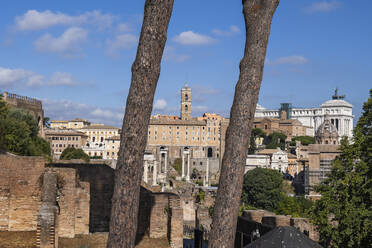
x,y
101,186
83,202
20,196
20,192
161,216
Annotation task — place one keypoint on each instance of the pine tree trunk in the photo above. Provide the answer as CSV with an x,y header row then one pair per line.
x,y
145,75
258,16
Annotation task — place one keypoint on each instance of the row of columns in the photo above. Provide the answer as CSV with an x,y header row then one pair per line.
x,y
186,171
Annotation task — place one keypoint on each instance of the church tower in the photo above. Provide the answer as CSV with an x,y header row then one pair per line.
x,y
186,103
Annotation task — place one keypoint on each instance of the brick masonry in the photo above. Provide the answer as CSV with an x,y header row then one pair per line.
x,y
20,192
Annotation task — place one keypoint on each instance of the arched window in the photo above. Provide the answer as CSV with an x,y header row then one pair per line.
x,y
186,97
210,152
186,108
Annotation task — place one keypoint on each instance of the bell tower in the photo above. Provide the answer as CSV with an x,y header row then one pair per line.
x,y
186,103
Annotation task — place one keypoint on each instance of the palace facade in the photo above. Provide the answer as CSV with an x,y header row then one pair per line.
x,y
337,110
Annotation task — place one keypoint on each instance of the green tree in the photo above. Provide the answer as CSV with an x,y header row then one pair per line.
x,y
19,132
256,132
344,213
276,139
73,153
305,140
262,188
294,206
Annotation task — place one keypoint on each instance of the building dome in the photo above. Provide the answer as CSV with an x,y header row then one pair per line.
x,y
327,133
336,103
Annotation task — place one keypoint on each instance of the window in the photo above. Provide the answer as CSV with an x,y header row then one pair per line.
x,y
210,152
201,163
186,97
186,108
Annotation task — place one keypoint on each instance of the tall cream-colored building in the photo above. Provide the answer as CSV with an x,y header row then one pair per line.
x,y
198,141
176,133
112,145
97,135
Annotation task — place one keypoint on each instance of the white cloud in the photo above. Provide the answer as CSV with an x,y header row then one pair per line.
x,y
68,110
35,20
294,60
121,42
232,30
62,79
170,54
160,104
15,77
191,38
323,6
20,78
66,45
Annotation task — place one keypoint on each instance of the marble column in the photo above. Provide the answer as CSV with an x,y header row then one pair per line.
x,y
188,167
155,174
183,164
166,162
207,172
160,167
145,169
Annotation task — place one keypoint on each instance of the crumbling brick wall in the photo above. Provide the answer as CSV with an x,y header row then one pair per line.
x,y
20,192
161,216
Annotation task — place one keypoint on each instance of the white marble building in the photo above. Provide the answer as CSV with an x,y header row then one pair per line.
x,y
279,161
257,161
339,111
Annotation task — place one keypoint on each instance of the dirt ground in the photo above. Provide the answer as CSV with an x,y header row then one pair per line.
x,y
17,239
95,240
98,240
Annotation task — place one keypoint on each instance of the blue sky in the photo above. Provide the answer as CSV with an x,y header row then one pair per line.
x,y
76,57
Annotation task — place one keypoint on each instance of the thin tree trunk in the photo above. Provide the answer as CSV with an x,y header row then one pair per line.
x,y
258,15
145,75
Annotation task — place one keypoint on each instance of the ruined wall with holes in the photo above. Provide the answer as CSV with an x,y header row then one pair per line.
x,y
20,192
20,196
83,201
161,216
